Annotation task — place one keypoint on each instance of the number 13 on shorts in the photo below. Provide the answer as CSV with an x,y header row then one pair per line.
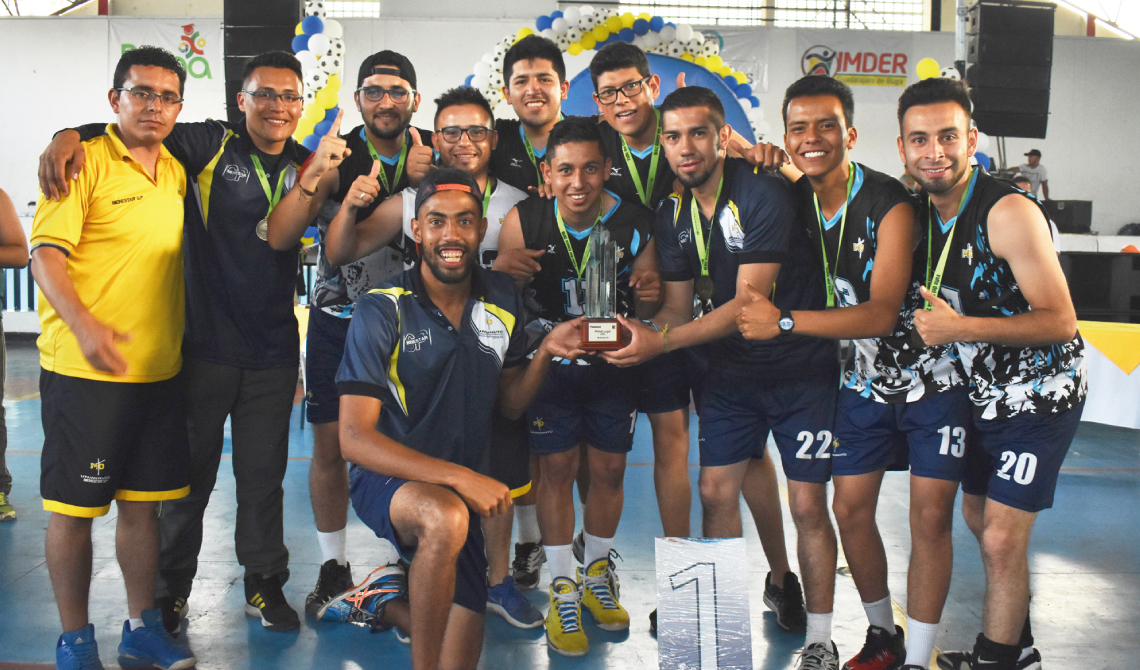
x,y
702,604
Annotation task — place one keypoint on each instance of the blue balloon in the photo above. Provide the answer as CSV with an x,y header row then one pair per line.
x,y
671,24
322,128
601,43
311,142
743,91
312,25
555,15
300,43
754,100
983,159
467,81
626,35
640,26
656,24
542,23
330,115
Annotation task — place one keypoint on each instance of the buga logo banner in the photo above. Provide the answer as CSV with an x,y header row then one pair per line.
x,y
197,43
857,58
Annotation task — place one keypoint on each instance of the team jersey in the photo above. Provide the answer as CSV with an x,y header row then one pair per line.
x,y
621,179
431,377
755,223
875,369
1005,380
121,230
510,161
336,288
503,198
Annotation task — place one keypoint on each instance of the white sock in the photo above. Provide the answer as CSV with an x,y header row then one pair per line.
x,y
818,629
597,548
136,623
881,614
919,642
526,516
560,561
333,546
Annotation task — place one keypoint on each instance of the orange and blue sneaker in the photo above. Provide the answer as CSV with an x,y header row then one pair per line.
x,y
564,632
364,604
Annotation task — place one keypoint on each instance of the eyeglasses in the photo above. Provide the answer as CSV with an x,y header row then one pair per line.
x,y
145,95
452,134
608,96
266,97
377,93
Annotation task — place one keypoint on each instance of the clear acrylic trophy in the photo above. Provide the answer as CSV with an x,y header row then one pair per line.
x,y
600,330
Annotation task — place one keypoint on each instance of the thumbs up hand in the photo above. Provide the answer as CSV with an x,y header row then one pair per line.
x,y
420,158
365,190
758,318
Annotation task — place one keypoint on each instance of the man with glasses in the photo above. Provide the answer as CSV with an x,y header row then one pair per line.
x,y
401,155
108,260
241,342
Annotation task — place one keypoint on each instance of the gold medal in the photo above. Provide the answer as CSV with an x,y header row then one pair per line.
x,y
263,230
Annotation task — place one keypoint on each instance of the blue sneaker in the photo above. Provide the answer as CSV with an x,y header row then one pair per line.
x,y
152,646
78,650
507,601
363,605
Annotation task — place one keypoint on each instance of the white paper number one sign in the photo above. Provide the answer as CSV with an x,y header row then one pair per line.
x,y
702,604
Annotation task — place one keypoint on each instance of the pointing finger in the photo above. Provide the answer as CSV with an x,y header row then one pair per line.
x,y
334,129
375,169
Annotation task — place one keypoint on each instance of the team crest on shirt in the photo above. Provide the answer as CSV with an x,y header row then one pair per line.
x,y
98,478
858,246
620,251
493,332
413,342
550,249
615,171
516,163
968,254
236,173
538,427
730,226
684,237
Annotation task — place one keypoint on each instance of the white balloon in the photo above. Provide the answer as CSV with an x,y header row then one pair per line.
x,y
318,43
587,22
482,69
549,34
331,65
481,81
488,58
668,34
694,47
307,59
494,97
333,30
638,42
697,37
764,128
756,114
573,34
559,26
316,80
983,142
684,32
586,10
651,40
571,14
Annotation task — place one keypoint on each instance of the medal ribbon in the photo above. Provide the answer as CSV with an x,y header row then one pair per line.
x,y
828,275
646,193
566,238
274,197
934,284
530,153
487,197
376,157
698,231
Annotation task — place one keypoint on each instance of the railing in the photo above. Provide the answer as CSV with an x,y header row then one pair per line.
x,y
18,290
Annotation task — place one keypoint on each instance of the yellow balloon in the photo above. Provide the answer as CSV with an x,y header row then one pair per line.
x,y
614,24
724,71
644,16
701,60
314,112
299,30
740,77
602,31
714,62
575,48
588,41
927,68
687,56
304,129
627,20
326,98
523,32
334,83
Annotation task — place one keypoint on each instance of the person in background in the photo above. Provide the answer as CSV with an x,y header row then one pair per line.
x,y
1037,174
13,254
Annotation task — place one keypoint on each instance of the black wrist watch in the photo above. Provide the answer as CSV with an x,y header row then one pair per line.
x,y
786,322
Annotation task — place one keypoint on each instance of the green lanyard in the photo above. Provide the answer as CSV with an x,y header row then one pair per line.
x,y
566,238
646,193
934,284
828,275
376,157
274,197
698,231
530,153
487,198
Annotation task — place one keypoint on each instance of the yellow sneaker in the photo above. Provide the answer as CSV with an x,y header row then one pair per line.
x,y
600,595
564,632
7,512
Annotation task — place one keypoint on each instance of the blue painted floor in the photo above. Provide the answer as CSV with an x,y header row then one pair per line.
x,y
1085,559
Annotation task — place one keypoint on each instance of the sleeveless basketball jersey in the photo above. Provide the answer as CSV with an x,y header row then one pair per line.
x,y
621,179
510,161
1005,380
503,198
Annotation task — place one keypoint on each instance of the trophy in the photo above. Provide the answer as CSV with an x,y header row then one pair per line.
x,y
600,330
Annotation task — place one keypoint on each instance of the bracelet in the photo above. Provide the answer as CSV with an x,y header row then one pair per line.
x,y
665,337
649,322
307,193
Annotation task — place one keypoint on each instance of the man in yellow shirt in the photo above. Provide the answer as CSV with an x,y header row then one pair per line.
x,y
108,261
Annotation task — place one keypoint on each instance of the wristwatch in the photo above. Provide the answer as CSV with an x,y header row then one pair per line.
x,y
786,322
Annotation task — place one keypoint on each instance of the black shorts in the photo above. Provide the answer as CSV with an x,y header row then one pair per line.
x,y
107,441
510,454
664,383
324,347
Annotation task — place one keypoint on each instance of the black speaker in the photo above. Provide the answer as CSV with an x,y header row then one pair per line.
x,y
1009,59
1071,216
251,27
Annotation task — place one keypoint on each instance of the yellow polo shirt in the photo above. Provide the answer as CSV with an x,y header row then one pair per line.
x,y
122,232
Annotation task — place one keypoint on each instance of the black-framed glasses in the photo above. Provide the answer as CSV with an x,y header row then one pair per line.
x,y
608,96
452,134
266,97
145,95
397,94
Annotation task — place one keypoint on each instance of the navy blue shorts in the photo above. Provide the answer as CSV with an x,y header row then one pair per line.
x,y
664,383
737,412
371,496
510,454
583,403
1017,460
931,433
324,347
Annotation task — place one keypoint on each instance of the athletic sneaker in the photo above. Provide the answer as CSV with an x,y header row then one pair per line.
x,y
818,656
81,653
600,595
578,546
264,600
334,578
507,601
364,604
174,610
151,646
7,512
961,660
787,602
529,557
564,632
881,651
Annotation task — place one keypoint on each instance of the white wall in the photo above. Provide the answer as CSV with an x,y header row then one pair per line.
x,y
56,76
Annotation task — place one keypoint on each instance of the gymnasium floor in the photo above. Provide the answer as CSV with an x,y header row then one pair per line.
x,y
1085,560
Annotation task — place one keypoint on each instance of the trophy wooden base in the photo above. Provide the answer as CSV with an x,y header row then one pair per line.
x,y
602,335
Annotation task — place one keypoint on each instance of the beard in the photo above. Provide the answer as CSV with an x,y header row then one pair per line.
x,y
940,186
389,133
445,275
